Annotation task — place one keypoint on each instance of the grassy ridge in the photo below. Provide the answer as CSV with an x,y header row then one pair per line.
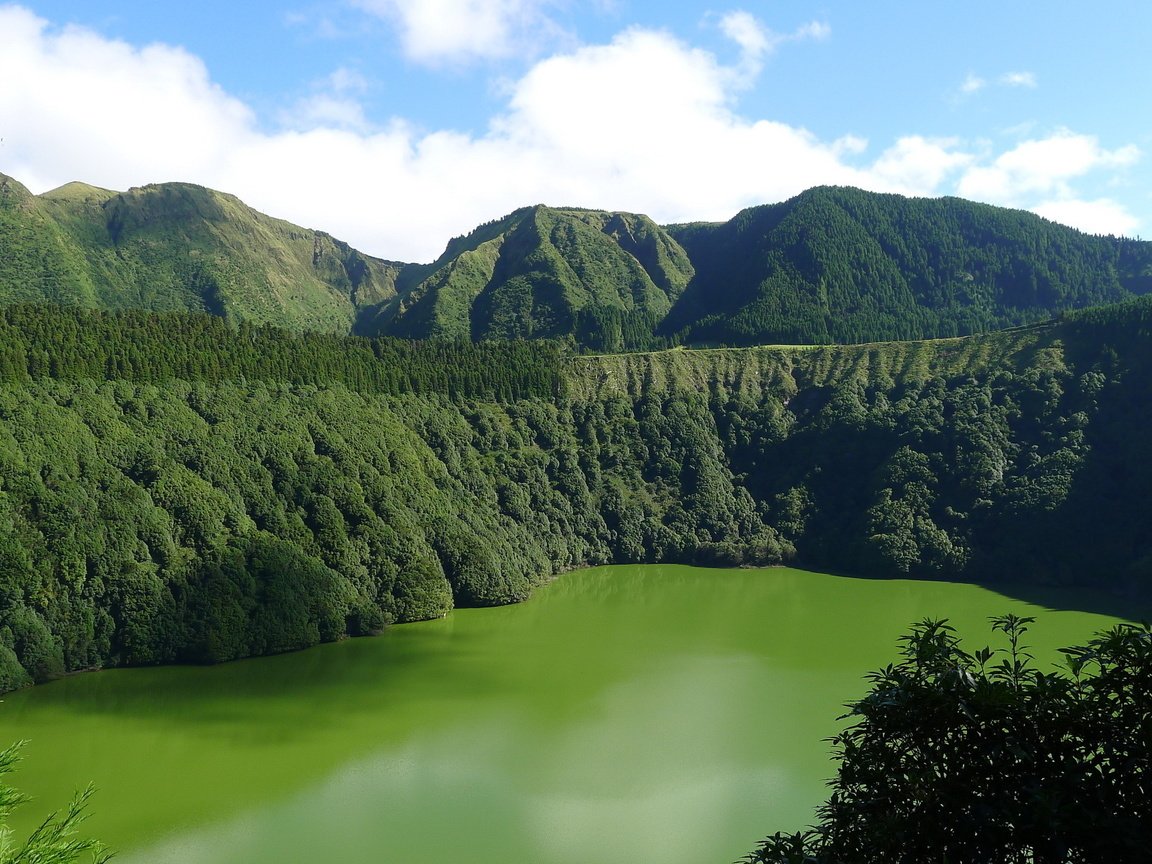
x,y
833,265
830,266
179,247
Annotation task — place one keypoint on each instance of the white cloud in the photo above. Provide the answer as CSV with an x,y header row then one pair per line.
x,y
1039,174
915,165
973,84
813,30
1018,79
345,80
1043,166
333,101
461,31
757,41
754,39
100,108
325,109
643,123
1101,216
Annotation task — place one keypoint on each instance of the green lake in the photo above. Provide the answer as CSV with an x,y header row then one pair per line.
x,y
624,714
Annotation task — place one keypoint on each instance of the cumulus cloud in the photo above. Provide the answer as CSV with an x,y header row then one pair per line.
x,y
1100,216
745,30
644,123
334,101
461,31
915,165
1044,166
106,108
1039,174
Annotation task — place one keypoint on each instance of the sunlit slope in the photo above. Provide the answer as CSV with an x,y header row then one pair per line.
x,y
603,279
840,265
178,489
180,247
832,265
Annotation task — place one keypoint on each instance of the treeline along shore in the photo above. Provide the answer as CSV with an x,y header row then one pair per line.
x,y
175,487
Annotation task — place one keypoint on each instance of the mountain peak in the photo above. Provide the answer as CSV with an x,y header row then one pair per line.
x,y
78,191
11,187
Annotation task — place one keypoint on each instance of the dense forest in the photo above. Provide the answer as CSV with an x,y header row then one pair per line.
x,y
177,488
840,265
832,265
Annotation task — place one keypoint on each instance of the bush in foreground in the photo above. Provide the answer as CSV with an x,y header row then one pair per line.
x,y
975,758
55,841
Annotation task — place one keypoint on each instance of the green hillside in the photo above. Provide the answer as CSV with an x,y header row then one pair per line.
x,y
602,279
833,265
176,246
173,488
840,265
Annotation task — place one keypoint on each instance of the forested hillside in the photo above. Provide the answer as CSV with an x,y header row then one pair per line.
x,y
176,246
840,265
832,265
601,279
162,502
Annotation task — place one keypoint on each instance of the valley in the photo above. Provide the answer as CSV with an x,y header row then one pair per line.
x,y
223,436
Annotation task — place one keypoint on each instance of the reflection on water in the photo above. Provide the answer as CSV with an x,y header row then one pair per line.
x,y
623,714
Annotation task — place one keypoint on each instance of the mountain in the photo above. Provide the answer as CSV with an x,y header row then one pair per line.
x,y
176,246
832,265
840,265
604,279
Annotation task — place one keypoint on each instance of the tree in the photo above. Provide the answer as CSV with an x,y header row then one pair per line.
x,y
55,841
963,758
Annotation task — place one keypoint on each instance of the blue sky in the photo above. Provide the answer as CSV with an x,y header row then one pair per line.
x,y
396,124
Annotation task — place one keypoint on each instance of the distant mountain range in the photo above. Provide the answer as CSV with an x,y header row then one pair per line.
x,y
833,264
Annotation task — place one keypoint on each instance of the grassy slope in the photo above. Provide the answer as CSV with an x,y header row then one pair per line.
x,y
779,371
177,246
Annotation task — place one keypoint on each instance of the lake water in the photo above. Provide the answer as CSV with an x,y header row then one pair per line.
x,y
624,714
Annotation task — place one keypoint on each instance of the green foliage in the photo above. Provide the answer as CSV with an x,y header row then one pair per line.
x,y
840,265
55,841
242,490
179,247
264,598
162,520
605,279
71,343
982,757
831,265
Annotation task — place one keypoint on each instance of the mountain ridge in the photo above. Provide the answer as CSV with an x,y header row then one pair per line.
x,y
831,265
179,246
